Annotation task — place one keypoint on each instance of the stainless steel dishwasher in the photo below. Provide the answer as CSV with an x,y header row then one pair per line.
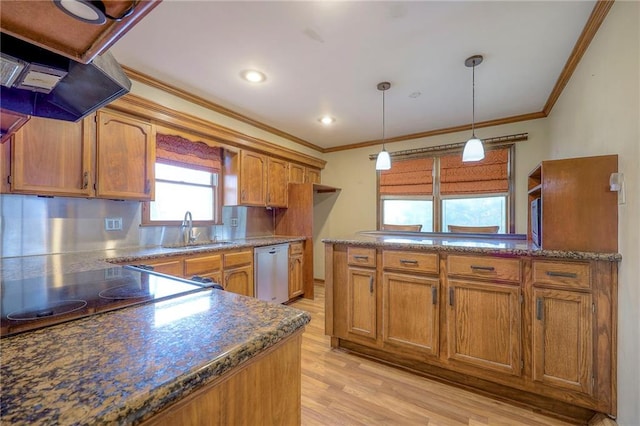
x,y
271,274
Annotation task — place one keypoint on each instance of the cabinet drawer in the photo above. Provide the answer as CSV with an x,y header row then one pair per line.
x,y
202,265
238,258
410,261
561,274
295,248
484,267
361,256
171,266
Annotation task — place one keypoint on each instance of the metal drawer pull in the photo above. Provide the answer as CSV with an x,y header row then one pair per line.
x,y
539,307
483,268
360,257
562,274
408,262
450,296
434,295
371,285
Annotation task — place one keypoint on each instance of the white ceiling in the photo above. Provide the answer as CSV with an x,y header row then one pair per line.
x,y
325,57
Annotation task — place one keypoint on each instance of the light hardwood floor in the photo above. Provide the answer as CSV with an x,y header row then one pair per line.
x,y
339,388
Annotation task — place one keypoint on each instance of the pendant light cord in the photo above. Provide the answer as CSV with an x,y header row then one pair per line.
x,y
383,119
473,100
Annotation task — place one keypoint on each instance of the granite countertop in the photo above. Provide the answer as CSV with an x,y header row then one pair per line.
x,y
464,244
124,366
16,268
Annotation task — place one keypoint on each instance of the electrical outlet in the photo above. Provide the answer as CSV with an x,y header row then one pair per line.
x,y
234,221
113,224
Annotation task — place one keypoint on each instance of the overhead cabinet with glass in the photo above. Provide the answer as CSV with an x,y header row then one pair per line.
x,y
107,155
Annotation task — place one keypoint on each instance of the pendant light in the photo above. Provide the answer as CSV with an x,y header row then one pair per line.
x,y
383,162
473,149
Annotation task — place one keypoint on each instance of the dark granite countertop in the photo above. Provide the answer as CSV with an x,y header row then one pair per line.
x,y
124,366
464,244
15,268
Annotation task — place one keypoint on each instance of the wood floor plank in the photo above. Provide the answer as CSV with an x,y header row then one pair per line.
x,y
339,388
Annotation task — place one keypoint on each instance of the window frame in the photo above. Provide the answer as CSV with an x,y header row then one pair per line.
x,y
217,199
437,198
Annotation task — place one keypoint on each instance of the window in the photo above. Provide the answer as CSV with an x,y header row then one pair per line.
x,y
186,179
440,190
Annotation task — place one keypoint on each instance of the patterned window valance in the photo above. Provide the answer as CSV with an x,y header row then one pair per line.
x,y
408,177
180,151
485,176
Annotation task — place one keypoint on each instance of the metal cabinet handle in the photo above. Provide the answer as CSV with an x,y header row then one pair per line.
x,y
242,195
450,296
360,257
147,187
482,268
539,308
434,295
371,285
562,274
408,262
85,180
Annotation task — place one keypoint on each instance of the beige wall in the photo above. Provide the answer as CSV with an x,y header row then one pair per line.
x,y
599,113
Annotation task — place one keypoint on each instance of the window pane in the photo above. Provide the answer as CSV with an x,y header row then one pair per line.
x,y
478,211
173,200
408,212
182,174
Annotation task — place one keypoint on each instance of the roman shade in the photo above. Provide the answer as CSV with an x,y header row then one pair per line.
x,y
179,151
408,177
489,175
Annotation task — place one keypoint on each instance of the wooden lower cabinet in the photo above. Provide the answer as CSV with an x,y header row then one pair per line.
x,y
265,390
361,302
239,280
483,325
296,270
563,339
410,312
535,330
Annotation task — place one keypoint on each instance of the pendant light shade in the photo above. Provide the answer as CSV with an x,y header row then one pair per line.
x,y
383,162
473,149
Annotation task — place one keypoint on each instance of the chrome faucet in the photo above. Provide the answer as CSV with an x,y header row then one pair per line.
x,y
187,228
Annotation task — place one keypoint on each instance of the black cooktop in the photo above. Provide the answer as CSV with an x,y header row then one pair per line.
x,y
42,301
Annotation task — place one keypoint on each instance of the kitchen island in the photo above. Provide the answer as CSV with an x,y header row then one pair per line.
x,y
493,313
235,356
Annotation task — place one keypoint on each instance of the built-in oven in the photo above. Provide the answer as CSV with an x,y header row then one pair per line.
x,y
37,302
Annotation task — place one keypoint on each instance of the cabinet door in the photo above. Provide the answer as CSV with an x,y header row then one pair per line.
x,y
125,157
312,176
361,302
167,266
277,182
483,325
252,179
53,157
239,280
410,312
563,339
296,173
295,276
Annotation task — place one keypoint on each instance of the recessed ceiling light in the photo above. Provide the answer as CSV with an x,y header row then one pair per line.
x,y
326,120
253,76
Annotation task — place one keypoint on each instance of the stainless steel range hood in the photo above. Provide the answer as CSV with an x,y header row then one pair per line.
x,y
37,82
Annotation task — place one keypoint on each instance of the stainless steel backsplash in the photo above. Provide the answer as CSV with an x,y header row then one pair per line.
x,y
33,225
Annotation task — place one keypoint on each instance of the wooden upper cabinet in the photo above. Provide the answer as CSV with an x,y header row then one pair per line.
x,y
252,178
10,122
579,211
125,157
53,157
296,173
312,175
43,24
277,182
